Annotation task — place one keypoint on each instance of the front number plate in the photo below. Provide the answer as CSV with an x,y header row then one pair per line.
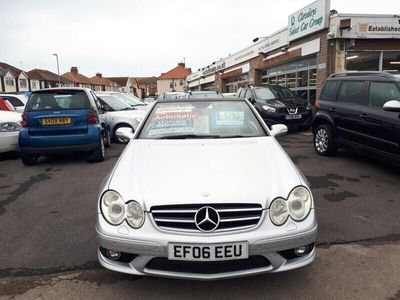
x,y
293,117
213,252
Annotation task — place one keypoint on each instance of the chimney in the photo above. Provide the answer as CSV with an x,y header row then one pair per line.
x,y
74,70
99,75
182,64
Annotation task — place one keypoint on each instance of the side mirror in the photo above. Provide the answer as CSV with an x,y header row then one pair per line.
x,y
125,133
251,100
392,105
278,130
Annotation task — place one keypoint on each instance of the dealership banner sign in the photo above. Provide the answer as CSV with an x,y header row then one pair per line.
x,y
309,19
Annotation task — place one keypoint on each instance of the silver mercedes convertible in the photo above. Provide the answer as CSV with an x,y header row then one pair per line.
x,y
204,191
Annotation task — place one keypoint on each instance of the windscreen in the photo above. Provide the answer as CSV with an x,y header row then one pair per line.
x,y
201,119
129,100
282,92
115,103
58,100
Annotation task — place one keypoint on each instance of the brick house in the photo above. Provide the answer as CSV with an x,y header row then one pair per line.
x,y
99,83
173,80
78,79
41,79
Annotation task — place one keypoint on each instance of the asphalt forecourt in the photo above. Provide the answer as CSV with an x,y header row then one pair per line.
x,y
48,244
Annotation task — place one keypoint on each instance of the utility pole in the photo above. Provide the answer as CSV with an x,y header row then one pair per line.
x,y
58,70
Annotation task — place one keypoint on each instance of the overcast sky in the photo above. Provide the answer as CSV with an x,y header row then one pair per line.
x,y
144,37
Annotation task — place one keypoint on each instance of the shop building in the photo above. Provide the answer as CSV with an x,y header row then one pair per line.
x,y
317,42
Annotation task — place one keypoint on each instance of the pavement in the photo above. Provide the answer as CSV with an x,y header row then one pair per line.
x,y
48,244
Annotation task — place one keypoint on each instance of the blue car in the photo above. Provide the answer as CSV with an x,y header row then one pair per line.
x,y
63,120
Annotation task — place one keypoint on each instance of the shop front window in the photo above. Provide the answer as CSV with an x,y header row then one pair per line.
x,y
299,75
291,80
362,61
391,61
302,79
313,77
282,80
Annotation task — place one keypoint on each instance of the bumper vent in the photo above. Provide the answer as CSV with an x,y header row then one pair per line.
x,y
163,264
231,216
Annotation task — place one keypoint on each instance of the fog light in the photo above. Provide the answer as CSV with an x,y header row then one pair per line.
x,y
114,255
300,251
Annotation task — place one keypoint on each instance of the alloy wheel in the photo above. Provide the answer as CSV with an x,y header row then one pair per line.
x,y
321,140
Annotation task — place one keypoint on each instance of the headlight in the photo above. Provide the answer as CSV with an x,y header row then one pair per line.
x,y
297,206
309,106
134,214
269,108
115,211
113,207
299,203
10,126
279,211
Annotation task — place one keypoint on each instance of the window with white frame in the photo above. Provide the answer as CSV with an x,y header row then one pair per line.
x,y
9,81
23,83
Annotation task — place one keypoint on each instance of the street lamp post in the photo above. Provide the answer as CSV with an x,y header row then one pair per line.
x,y
58,69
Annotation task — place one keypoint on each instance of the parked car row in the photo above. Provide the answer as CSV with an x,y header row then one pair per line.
x,y
62,120
13,102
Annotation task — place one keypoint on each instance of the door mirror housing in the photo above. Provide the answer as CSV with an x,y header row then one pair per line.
x,y
251,100
392,105
278,130
125,133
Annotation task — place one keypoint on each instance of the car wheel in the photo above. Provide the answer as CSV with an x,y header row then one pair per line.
x,y
323,140
107,138
28,159
116,138
99,154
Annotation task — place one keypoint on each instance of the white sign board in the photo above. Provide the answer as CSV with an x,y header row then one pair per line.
x,y
309,19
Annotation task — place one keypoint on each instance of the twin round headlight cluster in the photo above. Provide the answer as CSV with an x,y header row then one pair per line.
x,y
115,210
297,206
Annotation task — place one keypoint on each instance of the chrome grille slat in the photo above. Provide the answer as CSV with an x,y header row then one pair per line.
x,y
174,211
174,220
238,219
235,216
196,230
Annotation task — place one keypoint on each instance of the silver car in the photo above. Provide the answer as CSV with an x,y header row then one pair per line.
x,y
118,113
204,191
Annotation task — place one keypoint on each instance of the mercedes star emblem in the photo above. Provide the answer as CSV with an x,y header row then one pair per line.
x,y
206,219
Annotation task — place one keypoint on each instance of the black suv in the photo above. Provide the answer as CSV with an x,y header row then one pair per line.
x,y
359,111
278,105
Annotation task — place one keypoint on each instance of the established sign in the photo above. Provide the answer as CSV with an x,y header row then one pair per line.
x,y
309,19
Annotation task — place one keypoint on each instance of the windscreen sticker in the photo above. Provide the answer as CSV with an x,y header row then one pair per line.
x,y
175,116
229,119
173,109
171,130
171,123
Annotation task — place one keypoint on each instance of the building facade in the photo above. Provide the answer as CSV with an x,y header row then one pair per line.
x,y
77,79
8,81
21,79
43,79
316,43
173,80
